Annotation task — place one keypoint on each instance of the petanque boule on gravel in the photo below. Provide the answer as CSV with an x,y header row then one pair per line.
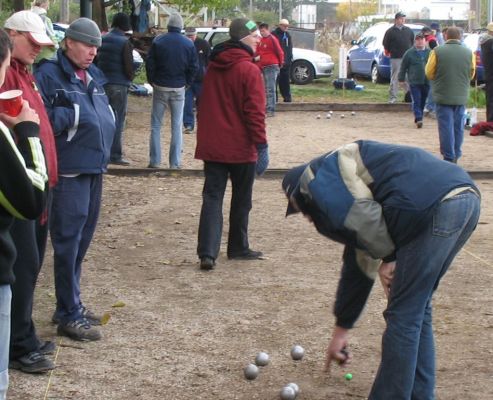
x,y
329,116
251,372
297,352
287,393
318,116
295,387
353,113
342,115
262,359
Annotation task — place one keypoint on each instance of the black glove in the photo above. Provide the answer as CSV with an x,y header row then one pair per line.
x,y
262,158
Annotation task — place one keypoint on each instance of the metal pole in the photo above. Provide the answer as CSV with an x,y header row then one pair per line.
x,y
86,8
280,10
250,14
490,11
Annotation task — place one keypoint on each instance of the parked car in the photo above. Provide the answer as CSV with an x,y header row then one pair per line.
x,y
366,58
307,64
471,40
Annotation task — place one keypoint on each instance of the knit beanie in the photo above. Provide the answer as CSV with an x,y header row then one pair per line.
x,y
121,21
84,30
175,21
241,28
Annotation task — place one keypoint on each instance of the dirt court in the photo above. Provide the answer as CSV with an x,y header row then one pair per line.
x,y
183,334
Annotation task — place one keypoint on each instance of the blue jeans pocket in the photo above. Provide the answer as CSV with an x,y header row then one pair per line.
x,y
451,215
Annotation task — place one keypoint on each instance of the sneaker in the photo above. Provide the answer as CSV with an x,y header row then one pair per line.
x,y
207,263
269,114
419,124
80,329
248,255
121,161
93,319
155,166
188,130
47,347
32,363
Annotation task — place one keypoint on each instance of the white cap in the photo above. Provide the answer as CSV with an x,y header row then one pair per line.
x,y
283,22
27,21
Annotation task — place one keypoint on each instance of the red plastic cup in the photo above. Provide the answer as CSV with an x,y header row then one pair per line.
x,y
11,102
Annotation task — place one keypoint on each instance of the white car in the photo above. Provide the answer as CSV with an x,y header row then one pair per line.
x,y
307,64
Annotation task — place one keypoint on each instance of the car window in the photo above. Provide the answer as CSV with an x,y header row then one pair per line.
x,y
218,37
371,43
201,35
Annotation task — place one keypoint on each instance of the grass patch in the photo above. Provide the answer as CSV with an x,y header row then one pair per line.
x,y
322,91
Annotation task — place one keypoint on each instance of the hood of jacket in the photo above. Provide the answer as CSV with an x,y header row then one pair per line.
x,y
229,53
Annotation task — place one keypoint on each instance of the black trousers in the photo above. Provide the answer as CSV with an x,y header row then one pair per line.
x,y
30,239
489,101
211,216
284,83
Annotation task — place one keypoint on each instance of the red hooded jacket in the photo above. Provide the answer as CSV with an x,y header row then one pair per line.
x,y
18,77
231,113
270,52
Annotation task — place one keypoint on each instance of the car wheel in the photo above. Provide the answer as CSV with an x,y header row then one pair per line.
x,y
375,75
302,72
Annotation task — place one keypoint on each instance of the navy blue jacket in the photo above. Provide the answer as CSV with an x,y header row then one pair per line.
x,y
115,58
82,119
374,198
172,60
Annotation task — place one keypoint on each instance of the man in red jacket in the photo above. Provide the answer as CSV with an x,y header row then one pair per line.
x,y
271,60
232,142
27,353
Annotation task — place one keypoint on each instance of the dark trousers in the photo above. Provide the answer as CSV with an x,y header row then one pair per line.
x,y
30,242
419,94
284,83
74,216
192,95
118,99
211,216
489,101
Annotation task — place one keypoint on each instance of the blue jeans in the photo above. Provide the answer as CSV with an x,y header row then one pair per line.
x,y
191,94
5,299
450,130
270,73
118,99
173,99
419,94
430,103
407,368
211,215
74,216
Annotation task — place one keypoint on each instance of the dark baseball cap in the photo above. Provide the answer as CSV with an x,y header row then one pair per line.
x,y
399,14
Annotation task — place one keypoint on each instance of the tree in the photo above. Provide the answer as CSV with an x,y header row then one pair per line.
x,y
348,12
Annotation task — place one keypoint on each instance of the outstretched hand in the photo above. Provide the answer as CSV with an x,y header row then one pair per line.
x,y
337,349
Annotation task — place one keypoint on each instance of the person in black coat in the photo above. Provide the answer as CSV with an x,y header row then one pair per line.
x,y
283,81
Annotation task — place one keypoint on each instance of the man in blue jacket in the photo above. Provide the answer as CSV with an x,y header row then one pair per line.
x,y
402,214
116,61
171,66
84,124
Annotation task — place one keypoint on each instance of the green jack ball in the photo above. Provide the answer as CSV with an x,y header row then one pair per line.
x,y
348,377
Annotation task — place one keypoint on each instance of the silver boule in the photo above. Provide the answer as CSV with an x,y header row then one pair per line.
x,y
342,115
318,116
329,116
262,359
251,372
297,352
295,387
353,113
287,393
